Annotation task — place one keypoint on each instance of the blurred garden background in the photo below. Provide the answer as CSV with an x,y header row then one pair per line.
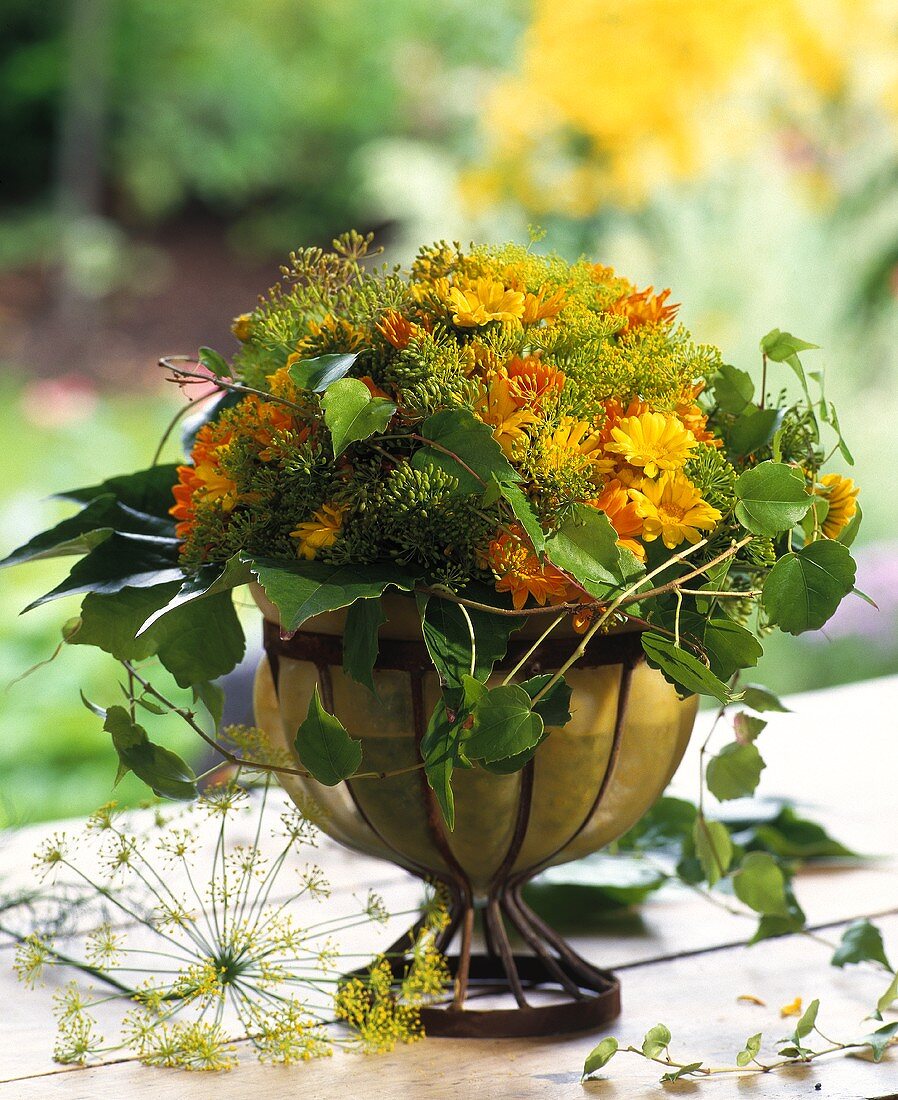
x,y
157,159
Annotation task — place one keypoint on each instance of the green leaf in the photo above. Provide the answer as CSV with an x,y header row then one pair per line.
x,y
761,885
733,389
730,647
685,672
212,697
880,1040
805,1025
555,707
504,725
361,642
760,699
750,1051
780,346
754,429
164,771
600,1055
656,1041
319,373
524,514
195,644
747,727
861,942
889,997
300,590
680,1071
585,547
214,362
120,561
713,847
147,491
352,413
462,434
439,751
208,580
735,772
771,498
792,837
447,632
803,590
849,532
324,747
773,924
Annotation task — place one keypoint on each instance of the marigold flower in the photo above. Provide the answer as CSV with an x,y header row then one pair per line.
x,y
693,417
330,332
653,441
396,329
673,508
537,307
643,307
484,300
615,502
841,495
319,532
532,380
519,571
574,441
498,408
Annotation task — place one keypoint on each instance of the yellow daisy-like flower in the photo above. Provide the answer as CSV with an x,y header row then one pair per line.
x,y
213,485
841,495
538,307
319,532
498,408
484,300
653,441
574,441
673,508
240,326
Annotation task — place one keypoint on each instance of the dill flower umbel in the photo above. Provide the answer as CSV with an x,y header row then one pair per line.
x,y
673,509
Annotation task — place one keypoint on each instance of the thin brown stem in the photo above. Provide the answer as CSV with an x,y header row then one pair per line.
x,y
221,383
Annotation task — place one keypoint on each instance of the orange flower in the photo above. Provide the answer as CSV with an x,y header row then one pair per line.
x,y
396,329
373,387
498,408
519,571
642,307
694,418
531,379
841,494
537,307
615,502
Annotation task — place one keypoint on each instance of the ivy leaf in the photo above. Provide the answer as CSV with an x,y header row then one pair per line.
x,y
880,1040
730,647
861,942
352,413
361,642
585,547
761,885
771,498
324,747
747,727
319,373
148,491
792,837
214,362
890,995
758,698
750,1051
777,924
460,432
805,1025
504,724
713,847
779,346
680,1071
733,389
656,1041
165,772
734,772
120,561
600,1055
754,429
555,707
803,590
300,590
685,672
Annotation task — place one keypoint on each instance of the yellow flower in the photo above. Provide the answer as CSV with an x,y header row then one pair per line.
x,y
574,443
673,508
498,408
841,494
653,441
644,307
240,326
537,307
212,484
483,301
319,532
791,1009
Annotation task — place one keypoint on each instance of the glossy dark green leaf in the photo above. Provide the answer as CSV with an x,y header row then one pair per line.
x,y
761,885
861,942
734,772
324,747
771,498
300,590
682,669
439,750
555,706
733,389
164,771
447,630
504,724
147,491
317,374
361,641
352,414
459,432
524,514
753,430
803,590
793,837
214,362
208,580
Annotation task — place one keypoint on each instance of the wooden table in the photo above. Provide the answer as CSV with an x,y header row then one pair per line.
x,y
681,960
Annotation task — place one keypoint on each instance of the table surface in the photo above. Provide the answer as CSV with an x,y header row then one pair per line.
x,y
681,960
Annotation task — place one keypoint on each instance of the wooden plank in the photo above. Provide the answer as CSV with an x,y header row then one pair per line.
x,y
697,997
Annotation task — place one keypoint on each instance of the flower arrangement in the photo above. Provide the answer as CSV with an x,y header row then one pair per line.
x,y
500,434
